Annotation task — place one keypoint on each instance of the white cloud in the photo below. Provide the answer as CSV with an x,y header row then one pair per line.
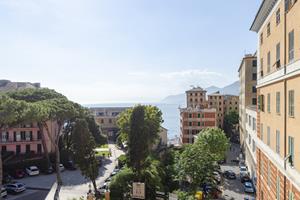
x,y
189,73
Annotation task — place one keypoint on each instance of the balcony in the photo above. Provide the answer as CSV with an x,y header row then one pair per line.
x,y
27,140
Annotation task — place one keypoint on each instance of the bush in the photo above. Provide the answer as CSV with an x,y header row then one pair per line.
x,y
121,184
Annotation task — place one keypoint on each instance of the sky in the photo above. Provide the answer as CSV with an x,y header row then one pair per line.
x,y
110,51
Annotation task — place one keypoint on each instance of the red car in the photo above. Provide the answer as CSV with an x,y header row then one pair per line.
x,y
19,173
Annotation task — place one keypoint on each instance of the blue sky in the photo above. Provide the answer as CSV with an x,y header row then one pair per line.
x,y
96,51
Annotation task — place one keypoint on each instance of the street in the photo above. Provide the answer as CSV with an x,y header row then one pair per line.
x,y
234,189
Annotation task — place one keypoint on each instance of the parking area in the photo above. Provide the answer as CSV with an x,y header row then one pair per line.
x,y
233,188
28,195
74,184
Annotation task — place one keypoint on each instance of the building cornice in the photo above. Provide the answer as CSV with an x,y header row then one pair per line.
x,y
262,14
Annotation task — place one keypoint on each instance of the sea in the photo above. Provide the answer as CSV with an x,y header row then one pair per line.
x,y
171,117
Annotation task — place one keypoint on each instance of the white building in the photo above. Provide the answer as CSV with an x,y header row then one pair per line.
x,y
250,141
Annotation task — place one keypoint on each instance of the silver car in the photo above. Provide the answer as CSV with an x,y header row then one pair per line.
x,y
248,187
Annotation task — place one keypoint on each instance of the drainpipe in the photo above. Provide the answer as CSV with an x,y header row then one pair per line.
x,y
285,102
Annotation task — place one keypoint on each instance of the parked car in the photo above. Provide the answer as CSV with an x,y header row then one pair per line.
x,y
3,192
212,190
245,177
229,174
6,178
103,189
61,167
108,179
15,187
48,170
70,165
217,177
243,168
248,187
18,173
221,162
32,171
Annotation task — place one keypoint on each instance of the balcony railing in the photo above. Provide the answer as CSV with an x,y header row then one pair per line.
x,y
19,141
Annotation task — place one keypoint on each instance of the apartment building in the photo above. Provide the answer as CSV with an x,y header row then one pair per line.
x,y
248,96
217,101
278,87
250,141
25,139
196,116
106,118
231,103
224,104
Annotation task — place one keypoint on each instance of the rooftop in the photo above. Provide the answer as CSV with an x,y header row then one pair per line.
x,y
262,14
196,89
197,109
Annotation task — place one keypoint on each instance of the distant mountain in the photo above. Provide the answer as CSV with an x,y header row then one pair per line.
x,y
212,89
180,99
232,89
175,99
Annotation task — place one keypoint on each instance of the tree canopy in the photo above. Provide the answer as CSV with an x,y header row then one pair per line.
x,y
83,147
197,161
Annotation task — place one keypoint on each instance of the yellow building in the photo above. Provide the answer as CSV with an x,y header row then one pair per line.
x,y
224,104
247,95
277,24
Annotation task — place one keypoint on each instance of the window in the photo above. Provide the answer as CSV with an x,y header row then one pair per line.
x,y
254,89
278,102
199,124
269,62
18,149
190,124
249,120
254,63
39,148
27,148
261,38
268,136
254,124
3,148
261,103
291,150
278,64
190,115
4,136
278,16
254,76
278,141
254,101
110,121
269,29
278,188
253,146
291,103
249,140
199,115
262,132
291,46
39,135
269,103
